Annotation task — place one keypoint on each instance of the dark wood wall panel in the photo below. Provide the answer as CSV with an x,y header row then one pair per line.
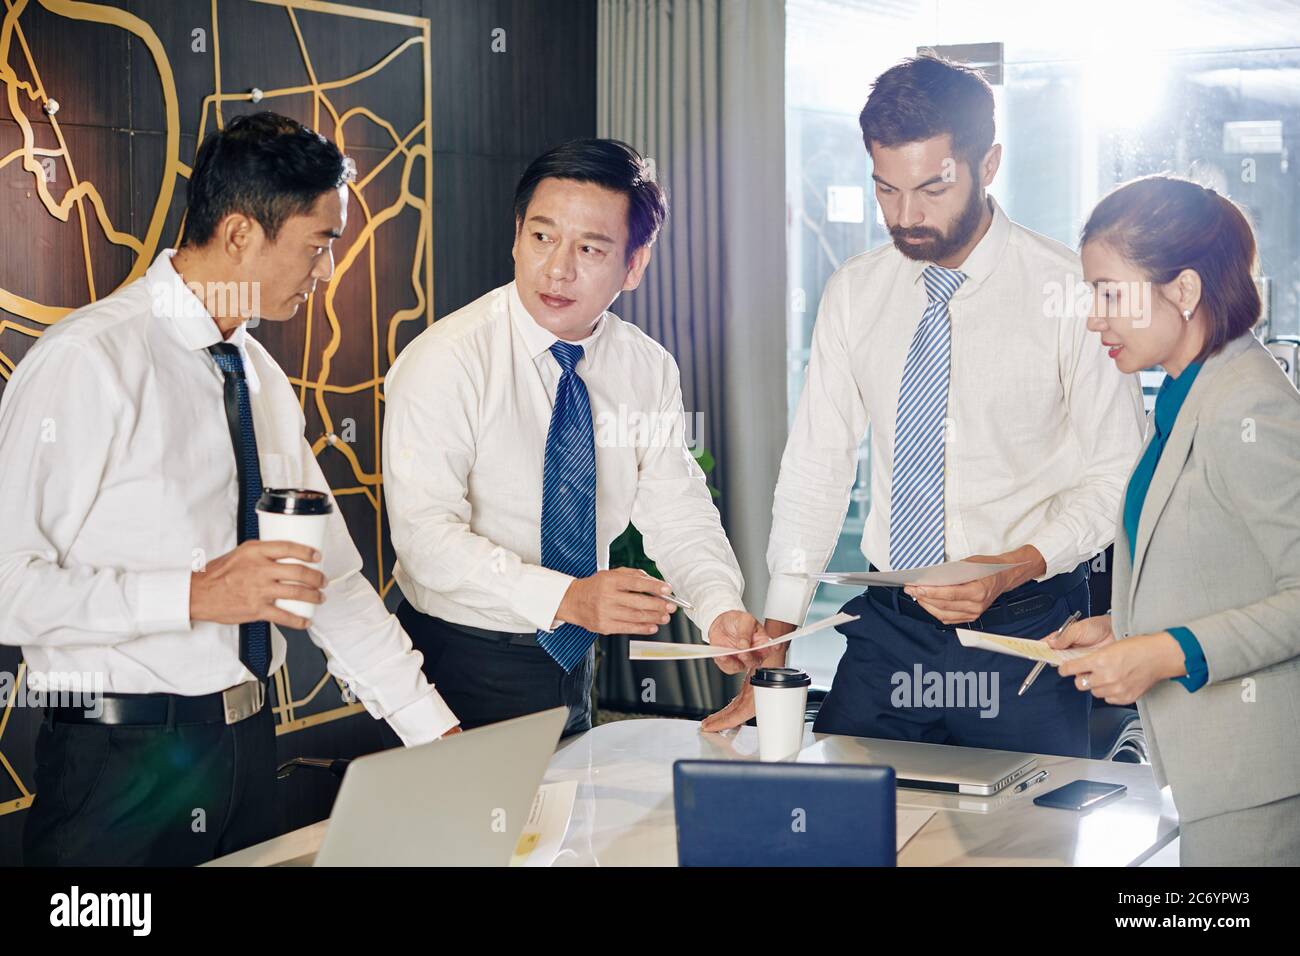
x,y
490,113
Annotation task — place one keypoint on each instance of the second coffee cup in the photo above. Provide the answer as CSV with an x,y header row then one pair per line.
x,y
780,699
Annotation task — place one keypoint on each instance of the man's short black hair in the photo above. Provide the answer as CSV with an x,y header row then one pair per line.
x,y
928,96
268,167
609,163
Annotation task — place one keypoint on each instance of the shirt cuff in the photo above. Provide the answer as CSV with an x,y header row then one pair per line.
x,y
539,594
161,600
1198,671
710,608
422,720
788,597
1059,549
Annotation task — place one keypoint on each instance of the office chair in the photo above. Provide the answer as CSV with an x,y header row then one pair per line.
x,y
1115,733
336,767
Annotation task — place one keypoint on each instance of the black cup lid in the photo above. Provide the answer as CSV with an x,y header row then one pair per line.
x,y
780,677
294,501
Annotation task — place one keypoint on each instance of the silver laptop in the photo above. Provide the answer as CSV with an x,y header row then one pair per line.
x,y
921,766
459,801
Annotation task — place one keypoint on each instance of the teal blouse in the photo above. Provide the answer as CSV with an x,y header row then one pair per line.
x,y
1168,402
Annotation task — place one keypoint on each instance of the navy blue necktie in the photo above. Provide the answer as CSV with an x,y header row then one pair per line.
x,y
254,637
569,499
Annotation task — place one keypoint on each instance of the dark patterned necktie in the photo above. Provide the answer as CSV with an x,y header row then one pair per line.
x,y
254,637
569,499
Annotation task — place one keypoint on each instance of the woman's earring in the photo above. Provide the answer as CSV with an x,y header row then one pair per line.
x,y
1187,315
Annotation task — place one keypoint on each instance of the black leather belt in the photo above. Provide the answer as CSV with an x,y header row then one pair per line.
x,y
1028,600
497,637
145,710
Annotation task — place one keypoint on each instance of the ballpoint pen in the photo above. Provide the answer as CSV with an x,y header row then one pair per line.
x,y
1026,784
674,599
1038,668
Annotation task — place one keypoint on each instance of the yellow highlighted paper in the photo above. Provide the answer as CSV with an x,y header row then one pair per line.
x,y
1019,647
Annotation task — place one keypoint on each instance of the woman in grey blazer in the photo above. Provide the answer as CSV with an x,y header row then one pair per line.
x,y
1205,630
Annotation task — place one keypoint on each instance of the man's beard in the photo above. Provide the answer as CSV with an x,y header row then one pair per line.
x,y
938,246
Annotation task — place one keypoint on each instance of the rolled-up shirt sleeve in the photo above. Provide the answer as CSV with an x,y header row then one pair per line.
x,y
60,418
364,644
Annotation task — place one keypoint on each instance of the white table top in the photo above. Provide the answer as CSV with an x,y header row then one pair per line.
x,y
623,813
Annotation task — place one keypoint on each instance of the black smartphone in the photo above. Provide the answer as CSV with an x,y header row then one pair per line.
x,y
1081,795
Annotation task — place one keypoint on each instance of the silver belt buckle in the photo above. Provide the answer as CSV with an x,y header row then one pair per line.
x,y
243,700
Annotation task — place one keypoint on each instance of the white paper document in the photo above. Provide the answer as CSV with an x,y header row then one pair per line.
x,y
909,823
1020,647
548,822
938,575
660,651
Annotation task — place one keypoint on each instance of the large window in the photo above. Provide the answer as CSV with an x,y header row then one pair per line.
x,y
1091,95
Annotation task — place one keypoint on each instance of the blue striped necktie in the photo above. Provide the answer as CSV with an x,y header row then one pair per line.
x,y
255,636
916,489
569,499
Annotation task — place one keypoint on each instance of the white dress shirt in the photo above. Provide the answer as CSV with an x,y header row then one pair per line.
x,y
468,409
1042,428
117,478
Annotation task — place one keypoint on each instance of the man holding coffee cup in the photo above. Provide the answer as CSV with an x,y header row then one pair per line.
x,y
138,436
523,432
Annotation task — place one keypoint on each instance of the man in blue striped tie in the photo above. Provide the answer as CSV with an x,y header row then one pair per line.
x,y
522,435
999,433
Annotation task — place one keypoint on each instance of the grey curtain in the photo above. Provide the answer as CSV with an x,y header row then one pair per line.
x,y
699,87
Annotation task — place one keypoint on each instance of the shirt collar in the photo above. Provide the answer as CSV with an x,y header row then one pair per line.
x,y
981,260
186,315
539,339
1173,391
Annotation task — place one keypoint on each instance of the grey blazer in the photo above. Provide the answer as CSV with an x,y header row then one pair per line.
x,y
1218,552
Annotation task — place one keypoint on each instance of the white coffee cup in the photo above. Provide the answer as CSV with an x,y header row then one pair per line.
x,y
298,515
780,699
